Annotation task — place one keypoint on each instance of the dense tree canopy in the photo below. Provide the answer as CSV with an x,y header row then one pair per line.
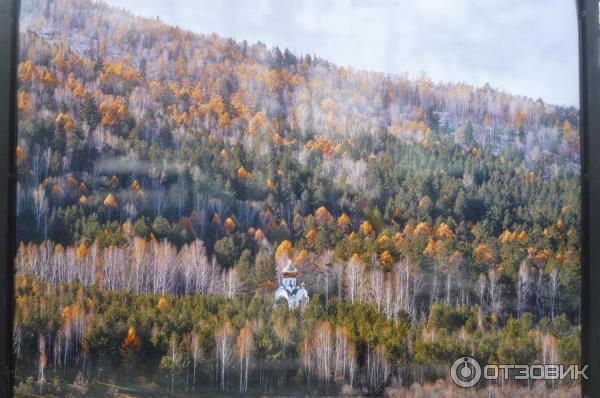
x,y
177,173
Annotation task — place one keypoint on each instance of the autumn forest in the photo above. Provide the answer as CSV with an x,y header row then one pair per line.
x,y
166,178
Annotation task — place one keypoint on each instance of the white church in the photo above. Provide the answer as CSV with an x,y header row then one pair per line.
x,y
296,297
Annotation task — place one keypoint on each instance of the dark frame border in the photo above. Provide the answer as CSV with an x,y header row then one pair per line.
x,y
589,76
9,17
589,68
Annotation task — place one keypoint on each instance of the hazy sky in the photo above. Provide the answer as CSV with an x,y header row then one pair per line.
x,y
526,47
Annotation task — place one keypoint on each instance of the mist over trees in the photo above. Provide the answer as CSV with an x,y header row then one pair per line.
x,y
177,173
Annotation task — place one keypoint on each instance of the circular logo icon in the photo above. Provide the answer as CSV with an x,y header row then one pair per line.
x,y
465,372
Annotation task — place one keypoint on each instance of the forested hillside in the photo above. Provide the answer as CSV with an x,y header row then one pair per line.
x,y
177,173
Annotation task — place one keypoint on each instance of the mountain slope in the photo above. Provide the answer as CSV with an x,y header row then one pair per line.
x,y
129,127
251,81
177,173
